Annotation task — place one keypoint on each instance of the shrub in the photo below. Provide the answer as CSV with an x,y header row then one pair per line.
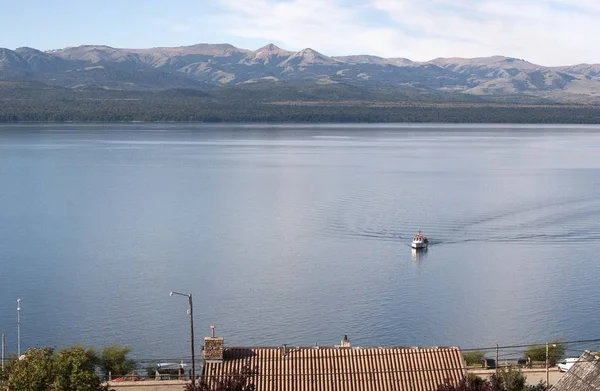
x,y
469,383
508,380
473,357
114,360
556,349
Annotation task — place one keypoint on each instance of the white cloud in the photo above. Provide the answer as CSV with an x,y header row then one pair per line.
x,y
548,32
324,25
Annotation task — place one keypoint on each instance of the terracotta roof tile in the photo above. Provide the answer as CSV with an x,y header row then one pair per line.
x,y
341,369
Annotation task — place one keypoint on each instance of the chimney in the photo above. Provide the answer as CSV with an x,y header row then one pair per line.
x,y
213,347
345,342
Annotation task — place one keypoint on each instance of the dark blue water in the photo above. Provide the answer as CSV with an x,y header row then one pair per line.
x,y
299,235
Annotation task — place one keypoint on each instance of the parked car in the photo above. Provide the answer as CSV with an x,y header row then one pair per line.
x,y
488,363
566,364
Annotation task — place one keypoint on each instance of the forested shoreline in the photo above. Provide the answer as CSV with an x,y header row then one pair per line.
x,y
190,111
36,102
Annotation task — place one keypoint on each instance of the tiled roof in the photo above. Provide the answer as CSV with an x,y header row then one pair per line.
x,y
584,375
341,369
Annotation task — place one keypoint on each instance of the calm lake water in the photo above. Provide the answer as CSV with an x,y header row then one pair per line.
x,y
299,234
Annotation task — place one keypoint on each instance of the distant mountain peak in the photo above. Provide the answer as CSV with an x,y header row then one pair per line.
x,y
27,49
306,58
312,56
265,55
272,48
309,52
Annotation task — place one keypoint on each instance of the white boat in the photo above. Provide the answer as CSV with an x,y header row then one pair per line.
x,y
419,241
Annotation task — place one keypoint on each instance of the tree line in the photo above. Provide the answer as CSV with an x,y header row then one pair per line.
x,y
301,103
205,110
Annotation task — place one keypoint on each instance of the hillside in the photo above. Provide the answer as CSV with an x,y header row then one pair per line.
x,y
211,67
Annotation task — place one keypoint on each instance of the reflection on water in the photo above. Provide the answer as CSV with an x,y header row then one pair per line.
x,y
419,255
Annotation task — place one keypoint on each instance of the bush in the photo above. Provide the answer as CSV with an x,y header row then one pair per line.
x,y
469,383
114,360
556,349
508,380
42,369
474,357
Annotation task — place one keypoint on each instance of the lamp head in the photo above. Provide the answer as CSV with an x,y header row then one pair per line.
x,y
170,293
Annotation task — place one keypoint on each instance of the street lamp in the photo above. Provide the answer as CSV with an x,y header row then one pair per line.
x,y
191,313
18,327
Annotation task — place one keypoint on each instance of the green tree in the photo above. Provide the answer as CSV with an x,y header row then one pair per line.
x,y
74,370
41,369
473,357
34,371
556,349
9,364
114,360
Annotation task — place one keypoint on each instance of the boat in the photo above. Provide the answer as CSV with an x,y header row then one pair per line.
x,y
419,241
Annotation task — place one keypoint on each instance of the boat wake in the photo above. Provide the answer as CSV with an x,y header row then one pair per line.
x,y
566,221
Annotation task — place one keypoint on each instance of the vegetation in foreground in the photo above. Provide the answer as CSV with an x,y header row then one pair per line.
x,y
70,369
556,350
506,380
236,381
473,357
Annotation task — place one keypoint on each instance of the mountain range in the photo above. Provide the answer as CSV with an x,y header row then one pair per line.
x,y
209,67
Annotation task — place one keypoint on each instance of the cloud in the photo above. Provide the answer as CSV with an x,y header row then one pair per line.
x,y
324,25
548,32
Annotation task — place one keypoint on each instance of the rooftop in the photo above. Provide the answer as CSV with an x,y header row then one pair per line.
x,y
341,367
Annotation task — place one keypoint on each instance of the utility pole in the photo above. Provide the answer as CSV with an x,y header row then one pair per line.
x,y
192,339
547,375
3,350
497,363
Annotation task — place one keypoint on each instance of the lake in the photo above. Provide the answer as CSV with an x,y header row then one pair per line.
x,y
299,234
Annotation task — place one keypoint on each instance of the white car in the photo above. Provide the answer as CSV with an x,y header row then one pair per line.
x,y
566,364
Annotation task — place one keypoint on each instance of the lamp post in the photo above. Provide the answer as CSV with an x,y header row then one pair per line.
x,y
18,327
191,313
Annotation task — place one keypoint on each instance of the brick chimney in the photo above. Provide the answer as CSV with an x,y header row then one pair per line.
x,y
345,342
213,347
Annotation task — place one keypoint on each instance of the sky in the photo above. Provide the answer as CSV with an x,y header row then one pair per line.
x,y
545,32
